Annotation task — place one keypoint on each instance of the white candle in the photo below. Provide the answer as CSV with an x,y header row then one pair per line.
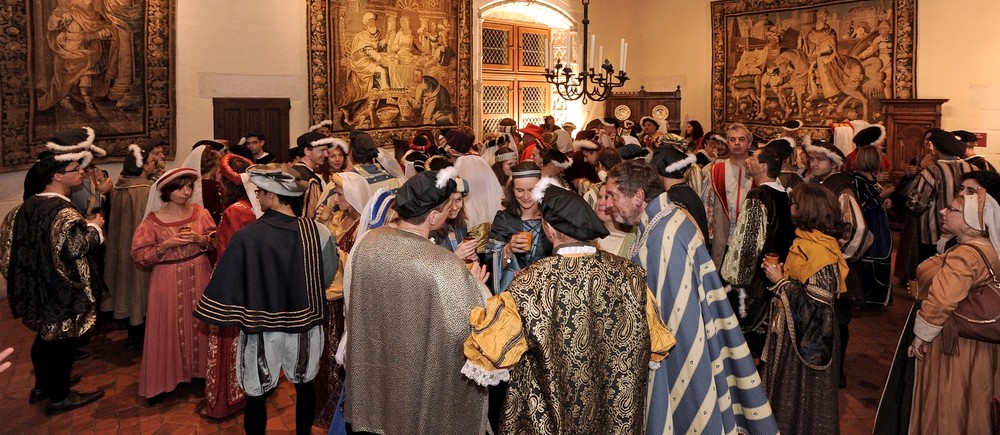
x,y
600,57
590,56
621,54
625,57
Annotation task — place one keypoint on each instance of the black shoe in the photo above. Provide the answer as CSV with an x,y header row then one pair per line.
x,y
157,399
79,355
38,394
73,401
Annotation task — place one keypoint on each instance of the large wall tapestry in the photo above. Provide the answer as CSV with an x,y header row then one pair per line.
x,y
813,60
390,65
106,64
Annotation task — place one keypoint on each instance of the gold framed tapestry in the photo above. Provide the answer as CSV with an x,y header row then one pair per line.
x,y
105,64
818,61
386,66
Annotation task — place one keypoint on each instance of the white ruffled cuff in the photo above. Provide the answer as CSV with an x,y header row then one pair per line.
x,y
924,330
484,377
653,365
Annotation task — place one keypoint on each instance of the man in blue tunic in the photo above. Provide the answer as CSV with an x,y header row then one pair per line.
x,y
709,385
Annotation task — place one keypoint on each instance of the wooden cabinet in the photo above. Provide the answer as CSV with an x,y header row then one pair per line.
x,y
642,103
906,121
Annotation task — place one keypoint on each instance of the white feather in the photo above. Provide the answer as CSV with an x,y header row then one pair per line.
x,y
444,175
137,153
681,164
568,163
829,154
538,192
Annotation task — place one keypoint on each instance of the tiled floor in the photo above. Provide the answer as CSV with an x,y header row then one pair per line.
x,y
115,369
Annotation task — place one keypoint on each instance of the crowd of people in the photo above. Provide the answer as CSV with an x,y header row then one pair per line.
x,y
620,280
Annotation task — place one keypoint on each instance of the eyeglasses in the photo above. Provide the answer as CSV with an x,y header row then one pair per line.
x,y
68,170
950,209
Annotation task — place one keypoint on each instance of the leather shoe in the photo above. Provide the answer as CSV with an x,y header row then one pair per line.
x,y
38,394
73,401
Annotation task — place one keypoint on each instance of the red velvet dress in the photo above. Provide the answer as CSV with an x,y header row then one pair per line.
x,y
223,395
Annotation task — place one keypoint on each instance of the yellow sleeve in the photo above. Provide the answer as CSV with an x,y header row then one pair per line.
x,y
660,338
496,341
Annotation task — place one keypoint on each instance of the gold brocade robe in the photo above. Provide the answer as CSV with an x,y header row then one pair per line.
x,y
589,329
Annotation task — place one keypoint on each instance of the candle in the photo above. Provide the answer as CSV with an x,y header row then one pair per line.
x,y
621,54
600,57
590,56
625,57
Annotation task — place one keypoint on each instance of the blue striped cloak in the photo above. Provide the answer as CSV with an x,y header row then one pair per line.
x,y
708,384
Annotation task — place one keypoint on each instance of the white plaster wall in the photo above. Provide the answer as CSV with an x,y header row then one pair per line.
x,y
241,49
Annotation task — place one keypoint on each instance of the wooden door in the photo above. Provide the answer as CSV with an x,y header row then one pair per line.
x,y
233,118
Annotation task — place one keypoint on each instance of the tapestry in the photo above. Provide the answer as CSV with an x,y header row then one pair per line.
x,y
818,61
386,66
105,64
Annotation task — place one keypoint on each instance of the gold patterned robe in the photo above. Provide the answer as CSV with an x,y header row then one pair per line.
x,y
578,332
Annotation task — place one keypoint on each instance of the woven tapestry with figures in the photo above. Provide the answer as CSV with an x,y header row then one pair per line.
x,y
105,64
387,65
812,60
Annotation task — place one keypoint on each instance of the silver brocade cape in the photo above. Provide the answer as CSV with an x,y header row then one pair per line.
x,y
408,318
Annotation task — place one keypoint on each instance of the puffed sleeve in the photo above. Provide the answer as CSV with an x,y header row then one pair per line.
x,y
962,269
144,242
496,341
660,338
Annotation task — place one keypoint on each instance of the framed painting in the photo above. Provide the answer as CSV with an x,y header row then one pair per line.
x,y
817,61
105,64
387,66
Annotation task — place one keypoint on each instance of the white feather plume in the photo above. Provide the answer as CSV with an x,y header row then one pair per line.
x,y
538,192
681,164
444,175
137,154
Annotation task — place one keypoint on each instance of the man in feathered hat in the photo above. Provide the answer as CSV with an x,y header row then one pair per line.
x,y
270,283
554,389
934,188
315,148
825,163
44,255
969,139
367,162
128,283
764,227
390,362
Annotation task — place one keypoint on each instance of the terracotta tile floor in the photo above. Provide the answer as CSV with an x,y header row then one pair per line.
x,y
115,369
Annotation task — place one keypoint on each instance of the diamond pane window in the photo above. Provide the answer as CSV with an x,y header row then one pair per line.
x,y
495,49
533,99
533,49
496,100
537,120
491,125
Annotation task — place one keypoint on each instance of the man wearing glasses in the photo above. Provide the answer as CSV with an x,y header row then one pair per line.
x,y
49,277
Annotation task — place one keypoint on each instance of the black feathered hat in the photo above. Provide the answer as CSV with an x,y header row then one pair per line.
x,y
946,143
424,191
671,162
871,135
567,211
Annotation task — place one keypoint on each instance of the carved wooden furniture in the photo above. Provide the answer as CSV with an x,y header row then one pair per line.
x,y
905,124
642,104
